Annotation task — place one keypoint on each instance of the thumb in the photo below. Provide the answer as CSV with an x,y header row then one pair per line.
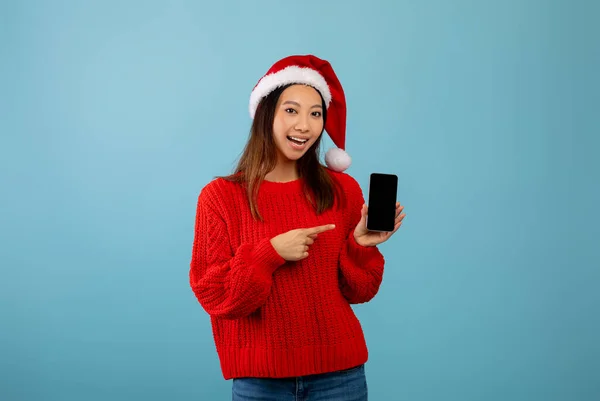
x,y
363,215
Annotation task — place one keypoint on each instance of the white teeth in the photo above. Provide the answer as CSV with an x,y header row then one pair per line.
x,y
298,139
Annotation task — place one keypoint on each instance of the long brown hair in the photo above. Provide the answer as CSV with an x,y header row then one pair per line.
x,y
260,157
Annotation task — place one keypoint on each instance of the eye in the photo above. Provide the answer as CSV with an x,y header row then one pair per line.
x,y
290,110
316,113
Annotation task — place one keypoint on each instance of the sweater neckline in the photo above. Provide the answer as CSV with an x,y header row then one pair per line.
x,y
293,186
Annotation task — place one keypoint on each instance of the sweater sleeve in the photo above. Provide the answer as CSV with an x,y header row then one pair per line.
x,y
360,268
229,284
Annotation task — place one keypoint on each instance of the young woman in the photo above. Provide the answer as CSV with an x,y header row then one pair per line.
x,y
281,248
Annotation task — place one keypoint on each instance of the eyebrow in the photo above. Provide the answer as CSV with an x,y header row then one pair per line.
x,y
298,104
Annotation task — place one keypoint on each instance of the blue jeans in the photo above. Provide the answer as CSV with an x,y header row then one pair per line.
x,y
344,385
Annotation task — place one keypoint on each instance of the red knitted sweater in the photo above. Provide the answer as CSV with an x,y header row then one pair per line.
x,y
272,318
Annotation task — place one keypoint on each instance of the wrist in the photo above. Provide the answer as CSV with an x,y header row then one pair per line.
x,y
274,245
358,241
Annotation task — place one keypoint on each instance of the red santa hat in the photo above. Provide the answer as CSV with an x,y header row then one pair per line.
x,y
318,73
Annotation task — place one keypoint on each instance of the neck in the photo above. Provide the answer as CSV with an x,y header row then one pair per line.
x,y
283,172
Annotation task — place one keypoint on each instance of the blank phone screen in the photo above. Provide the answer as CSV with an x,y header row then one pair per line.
x,y
382,202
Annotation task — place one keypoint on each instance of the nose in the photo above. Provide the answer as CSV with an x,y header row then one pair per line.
x,y
302,124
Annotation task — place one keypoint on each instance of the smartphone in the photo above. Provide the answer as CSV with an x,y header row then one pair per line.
x,y
382,202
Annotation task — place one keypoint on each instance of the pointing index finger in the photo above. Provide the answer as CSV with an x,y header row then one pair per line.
x,y
320,229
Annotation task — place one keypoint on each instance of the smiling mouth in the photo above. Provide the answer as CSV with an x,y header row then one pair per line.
x,y
297,141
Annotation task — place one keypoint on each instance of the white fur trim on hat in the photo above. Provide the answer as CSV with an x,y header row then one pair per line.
x,y
289,75
338,159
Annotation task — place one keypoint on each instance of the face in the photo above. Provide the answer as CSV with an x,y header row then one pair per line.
x,y
298,121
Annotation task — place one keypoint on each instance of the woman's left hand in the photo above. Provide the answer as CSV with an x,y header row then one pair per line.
x,y
365,237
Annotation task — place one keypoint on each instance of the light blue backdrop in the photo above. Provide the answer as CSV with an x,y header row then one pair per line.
x,y
115,114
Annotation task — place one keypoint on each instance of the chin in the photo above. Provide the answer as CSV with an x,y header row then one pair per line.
x,y
295,157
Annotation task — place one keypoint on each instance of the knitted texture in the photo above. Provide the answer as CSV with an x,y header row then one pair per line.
x,y
272,318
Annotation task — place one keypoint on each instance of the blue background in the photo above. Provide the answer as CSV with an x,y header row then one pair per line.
x,y
114,115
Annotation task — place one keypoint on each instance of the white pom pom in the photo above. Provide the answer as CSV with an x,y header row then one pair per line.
x,y
337,159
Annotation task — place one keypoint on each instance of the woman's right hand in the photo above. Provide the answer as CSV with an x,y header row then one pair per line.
x,y
293,245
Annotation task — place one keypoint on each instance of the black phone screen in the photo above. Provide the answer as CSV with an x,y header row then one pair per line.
x,y
382,202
